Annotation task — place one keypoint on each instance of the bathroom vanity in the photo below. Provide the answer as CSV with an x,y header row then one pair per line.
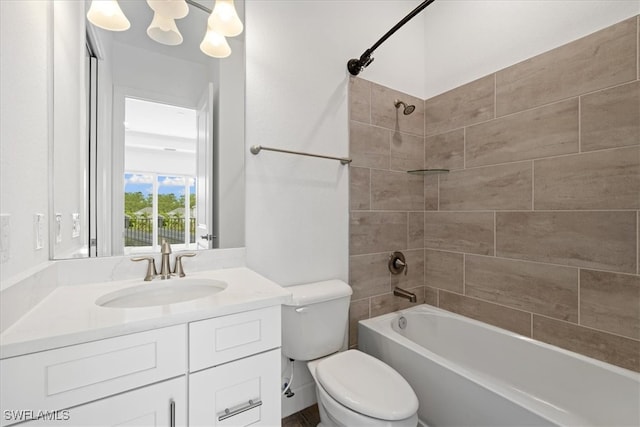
x,y
213,360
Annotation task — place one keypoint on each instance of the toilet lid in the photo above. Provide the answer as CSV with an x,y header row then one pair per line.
x,y
366,385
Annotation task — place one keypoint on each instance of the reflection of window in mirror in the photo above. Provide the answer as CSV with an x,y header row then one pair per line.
x,y
159,176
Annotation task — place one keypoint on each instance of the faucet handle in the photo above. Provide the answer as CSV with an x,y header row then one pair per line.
x,y
398,263
177,268
151,267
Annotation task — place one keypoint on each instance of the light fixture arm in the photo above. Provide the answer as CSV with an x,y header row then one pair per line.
x,y
198,5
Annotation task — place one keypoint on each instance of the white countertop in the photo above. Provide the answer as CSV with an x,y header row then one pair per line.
x,y
70,316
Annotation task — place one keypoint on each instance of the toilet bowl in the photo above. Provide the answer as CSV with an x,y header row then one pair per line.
x,y
353,388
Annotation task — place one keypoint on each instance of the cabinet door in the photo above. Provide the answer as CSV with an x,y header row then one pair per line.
x,y
241,393
163,405
74,375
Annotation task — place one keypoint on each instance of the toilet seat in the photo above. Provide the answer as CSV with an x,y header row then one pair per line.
x,y
366,385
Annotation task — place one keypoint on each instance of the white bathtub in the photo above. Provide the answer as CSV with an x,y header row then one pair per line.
x,y
467,373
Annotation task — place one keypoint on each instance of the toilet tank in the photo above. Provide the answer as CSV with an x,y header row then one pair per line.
x,y
315,323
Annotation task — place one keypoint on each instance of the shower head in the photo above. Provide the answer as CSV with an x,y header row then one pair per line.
x,y
406,109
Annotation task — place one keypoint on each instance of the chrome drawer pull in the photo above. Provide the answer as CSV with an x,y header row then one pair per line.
x,y
172,413
228,413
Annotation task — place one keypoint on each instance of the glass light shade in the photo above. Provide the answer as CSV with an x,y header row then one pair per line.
x,y
175,9
164,30
107,14
224,19
215,44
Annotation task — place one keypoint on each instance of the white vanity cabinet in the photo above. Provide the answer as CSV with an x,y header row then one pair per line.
x,y
219,371
71,376
235,370
158,405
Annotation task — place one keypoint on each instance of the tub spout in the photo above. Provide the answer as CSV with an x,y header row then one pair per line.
x,y
404,294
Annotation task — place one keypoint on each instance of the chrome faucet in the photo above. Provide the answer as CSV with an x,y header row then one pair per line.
x,y
405,294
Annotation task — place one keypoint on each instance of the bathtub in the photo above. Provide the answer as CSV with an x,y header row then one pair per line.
x,y
467,373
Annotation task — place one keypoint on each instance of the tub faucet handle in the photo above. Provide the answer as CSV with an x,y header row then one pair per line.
x,y
398,263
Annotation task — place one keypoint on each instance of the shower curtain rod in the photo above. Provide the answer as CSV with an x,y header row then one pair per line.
x,y
355,66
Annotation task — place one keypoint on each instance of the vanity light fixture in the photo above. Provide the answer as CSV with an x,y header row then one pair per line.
x,y
223,22
163,27
107,14
164,30
215,44
224,19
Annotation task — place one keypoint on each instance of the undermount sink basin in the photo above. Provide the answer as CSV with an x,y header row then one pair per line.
x,y
161,293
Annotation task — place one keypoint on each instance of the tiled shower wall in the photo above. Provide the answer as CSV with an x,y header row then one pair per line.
x,y
535,229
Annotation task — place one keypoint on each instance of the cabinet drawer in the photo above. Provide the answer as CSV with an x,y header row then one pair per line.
x,y
222,339
240,393
159,405
69,376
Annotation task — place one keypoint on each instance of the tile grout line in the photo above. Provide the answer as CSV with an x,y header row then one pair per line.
x,y
495,234
580,124
579,297
464,147
533,185
464,274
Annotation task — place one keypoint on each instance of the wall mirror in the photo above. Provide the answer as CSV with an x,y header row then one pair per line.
x,y
152,146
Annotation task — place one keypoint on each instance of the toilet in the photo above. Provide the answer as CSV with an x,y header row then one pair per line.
x,y
353,388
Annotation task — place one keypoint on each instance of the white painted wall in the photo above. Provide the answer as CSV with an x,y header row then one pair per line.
x,y
468,39
24,129
297,207
297,213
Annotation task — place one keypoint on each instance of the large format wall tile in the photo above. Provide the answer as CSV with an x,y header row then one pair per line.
x,y
541,132
610,302
359,189
601,240
465,105
358,310
599,345
600,60
470,232
445,151
599,180
383,304
444,270
385,114
611,118
374,232
391,190
502,187
369,275
431,192
493,314
539,288
369,146
406,152
359,100
415,233
415,271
